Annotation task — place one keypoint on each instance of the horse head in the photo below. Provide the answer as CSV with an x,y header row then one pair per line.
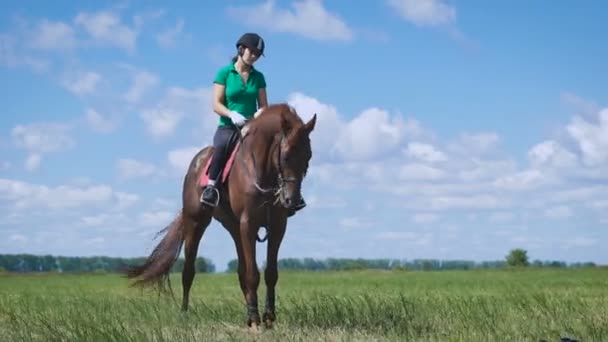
x,y
292,157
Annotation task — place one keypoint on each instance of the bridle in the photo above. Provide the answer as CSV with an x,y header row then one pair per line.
x,y
281,180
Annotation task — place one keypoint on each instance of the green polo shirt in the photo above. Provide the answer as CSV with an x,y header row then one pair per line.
x,y
240,97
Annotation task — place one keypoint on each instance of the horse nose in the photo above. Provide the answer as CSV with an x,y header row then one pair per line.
x,y
288,201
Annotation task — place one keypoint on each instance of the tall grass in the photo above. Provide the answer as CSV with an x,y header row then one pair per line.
x,y
527,305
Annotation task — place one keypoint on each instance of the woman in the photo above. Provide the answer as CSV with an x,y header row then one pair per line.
x,y
239,90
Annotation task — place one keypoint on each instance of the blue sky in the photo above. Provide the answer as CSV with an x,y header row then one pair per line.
x,y
450,130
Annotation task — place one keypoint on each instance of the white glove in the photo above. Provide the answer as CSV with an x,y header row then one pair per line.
x,y
237,118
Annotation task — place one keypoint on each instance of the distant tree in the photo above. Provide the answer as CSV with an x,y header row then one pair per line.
x,y
233,265
518,257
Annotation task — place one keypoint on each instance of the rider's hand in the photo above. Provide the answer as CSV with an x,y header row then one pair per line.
x,y
237,118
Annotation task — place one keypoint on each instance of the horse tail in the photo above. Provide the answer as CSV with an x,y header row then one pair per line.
x,y
157,267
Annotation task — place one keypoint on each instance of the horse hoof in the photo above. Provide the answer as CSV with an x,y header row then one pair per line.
x,y
269,319
254,328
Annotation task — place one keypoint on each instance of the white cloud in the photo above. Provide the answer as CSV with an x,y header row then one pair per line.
x,y
124,200
524,180
11,55
95,220
156,218
163,203
600,204
414,238
397,236
425,218
424,152
370,135
580,242
51,35
551,153
591,138
33,162
468,175
580,105
18,238
41,138
98,122
559,212
416,171
355,222
329,122
472,202
325,201
107,28
22,195
82,83
424,12
476,169
180,159
161,120
477,143
131,168
168,38
309,18
578,193
143,81
501,216
161,123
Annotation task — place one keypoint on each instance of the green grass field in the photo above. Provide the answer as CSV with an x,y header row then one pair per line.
x,y
526,305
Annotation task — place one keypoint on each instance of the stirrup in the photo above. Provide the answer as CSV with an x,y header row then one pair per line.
x,y
217,197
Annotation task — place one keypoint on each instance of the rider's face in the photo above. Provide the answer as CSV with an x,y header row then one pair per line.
x,y
249,56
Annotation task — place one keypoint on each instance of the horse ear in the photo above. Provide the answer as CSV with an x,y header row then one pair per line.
x,y
310,125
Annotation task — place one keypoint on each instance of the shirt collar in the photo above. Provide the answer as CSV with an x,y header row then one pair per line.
x,y
233,68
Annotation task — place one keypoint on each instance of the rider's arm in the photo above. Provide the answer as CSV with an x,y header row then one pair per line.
x,y
262,98
218,100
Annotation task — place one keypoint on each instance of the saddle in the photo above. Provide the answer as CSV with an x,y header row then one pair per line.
x,y
233,147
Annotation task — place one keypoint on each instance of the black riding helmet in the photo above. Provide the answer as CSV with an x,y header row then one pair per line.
x,y
252,41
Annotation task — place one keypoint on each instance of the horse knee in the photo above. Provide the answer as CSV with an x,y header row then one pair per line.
x,y
253,277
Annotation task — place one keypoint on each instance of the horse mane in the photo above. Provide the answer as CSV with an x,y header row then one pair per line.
x,y
271,119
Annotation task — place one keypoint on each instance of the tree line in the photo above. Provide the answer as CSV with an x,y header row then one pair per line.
x,y
50,263
346,264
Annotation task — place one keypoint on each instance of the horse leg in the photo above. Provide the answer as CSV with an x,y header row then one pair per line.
x,y
271,274
241,263
234,230
193,233
252,274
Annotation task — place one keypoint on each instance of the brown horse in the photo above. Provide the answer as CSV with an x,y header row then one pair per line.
x,y
263,184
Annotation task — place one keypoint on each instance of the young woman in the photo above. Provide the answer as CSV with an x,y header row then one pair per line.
x,y
239,90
